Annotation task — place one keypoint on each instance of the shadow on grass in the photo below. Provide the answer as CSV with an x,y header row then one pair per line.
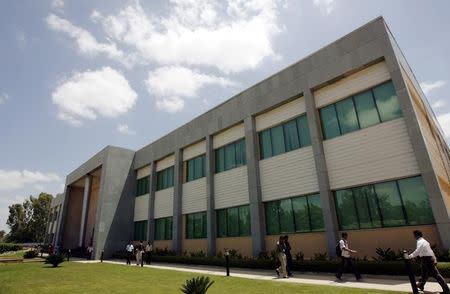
x,y
51,266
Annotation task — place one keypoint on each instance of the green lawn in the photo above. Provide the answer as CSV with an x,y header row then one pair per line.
x,y
13,254
74,277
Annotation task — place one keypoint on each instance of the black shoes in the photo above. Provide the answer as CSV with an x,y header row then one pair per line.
x,y
278,272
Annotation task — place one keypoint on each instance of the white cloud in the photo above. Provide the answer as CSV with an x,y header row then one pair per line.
x,y
172,85
3,98
232,36
86,42
21,39
39,188
89,94
438,104
428,87
13,179
444,122
125,129
326,6
57,5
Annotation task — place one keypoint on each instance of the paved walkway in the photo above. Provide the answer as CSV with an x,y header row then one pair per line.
x,y
392,283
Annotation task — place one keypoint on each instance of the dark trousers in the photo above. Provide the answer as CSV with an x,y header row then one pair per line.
x,y
428,268
289,264
129,257
347,263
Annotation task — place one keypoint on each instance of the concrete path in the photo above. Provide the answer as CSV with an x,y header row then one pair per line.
x,y
388,283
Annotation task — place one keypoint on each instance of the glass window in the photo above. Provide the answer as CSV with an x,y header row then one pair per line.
x,y
244,221
303,131
196,225
387,101
291,136
265,144
198,222
168,228
199,167
140,230
195,168
164,178
142,186
220,160
416,202
189,226
347,116
240,153
160,229
272,220
390,204
230,156
286,216
330,123
346,210
233,222
315,212
190,170
366,203
222,223
301,214
366,109
277,140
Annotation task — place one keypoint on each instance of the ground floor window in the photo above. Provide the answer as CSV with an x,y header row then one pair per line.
x,y
163,228
298,214
140,230
389,204
234,221
196,225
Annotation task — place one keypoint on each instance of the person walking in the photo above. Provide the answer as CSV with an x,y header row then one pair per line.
x,y
148,252
346,259
287,248
139,249
428,263
281,255
129,251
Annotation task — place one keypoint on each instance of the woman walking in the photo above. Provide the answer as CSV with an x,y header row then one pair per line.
x,y
281,254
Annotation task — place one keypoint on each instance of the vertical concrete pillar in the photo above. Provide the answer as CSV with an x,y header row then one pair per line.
x,y
326,196
151,204
258,224
87,190
177,200
210,206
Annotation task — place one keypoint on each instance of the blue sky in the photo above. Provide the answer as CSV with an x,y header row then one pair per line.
x,y
79,75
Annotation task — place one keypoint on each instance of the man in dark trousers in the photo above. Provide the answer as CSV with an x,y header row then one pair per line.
x,y
129,251
288,255
428,263
346,260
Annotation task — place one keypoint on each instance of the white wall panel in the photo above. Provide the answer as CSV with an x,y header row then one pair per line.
x,y
141,207
230,135
164,203
194,196
352,84
165,162
194,150
143,172
378,153
280,114
231,188
288,174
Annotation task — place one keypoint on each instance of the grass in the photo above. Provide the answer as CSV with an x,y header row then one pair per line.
x,y
72,277
13,254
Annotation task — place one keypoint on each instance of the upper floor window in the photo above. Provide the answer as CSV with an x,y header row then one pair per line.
x,y
142,186
373,106
195,168
163,228
230,156
164,179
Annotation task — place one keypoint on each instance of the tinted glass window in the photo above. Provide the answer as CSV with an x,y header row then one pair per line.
x,y
387,101
330,123
366,109
347,116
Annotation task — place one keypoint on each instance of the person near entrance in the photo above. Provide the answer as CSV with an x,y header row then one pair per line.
x,y
428,263
344,252
129,251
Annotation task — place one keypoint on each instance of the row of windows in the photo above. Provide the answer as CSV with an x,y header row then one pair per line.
x,y
163,228
164,179
140,230
196,225
389,204
299,214
378,104
289,136
142,186
195,168
233,222
230,156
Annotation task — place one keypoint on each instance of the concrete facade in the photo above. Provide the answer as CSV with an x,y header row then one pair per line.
x,y
358,61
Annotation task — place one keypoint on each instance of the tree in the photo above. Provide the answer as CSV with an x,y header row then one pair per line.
x,y
2,235
28,221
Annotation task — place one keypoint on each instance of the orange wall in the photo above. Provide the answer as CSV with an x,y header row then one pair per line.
x,y
73,218
191,245
366,241
93,200
242,244
308,243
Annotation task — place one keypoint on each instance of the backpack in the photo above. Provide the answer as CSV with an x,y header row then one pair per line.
x,y
338,249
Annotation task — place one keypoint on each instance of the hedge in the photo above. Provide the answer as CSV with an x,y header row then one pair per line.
x,y
395,268
6,247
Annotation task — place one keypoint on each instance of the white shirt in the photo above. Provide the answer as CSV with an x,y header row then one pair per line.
x,y
423,249
344,244
130,247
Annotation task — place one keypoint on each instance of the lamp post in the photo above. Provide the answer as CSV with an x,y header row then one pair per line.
x,y
409,271
227,261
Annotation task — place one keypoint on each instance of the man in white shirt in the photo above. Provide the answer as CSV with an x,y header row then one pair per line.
x,y
346,260
129,250
428,263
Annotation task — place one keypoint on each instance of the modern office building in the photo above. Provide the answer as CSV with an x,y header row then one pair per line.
x,y
344,139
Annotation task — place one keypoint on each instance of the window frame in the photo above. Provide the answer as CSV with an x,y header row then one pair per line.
x,y
226,229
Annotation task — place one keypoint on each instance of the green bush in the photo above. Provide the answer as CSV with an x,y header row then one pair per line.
x,y
198,285
6,247
386,255
54,259
30,254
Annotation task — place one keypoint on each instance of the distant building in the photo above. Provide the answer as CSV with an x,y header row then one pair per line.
x,y
344,139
